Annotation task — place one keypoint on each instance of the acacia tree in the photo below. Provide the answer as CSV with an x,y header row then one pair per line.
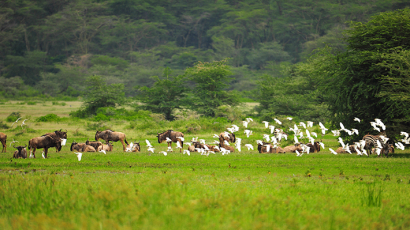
x,y
211,80
165,95
371,78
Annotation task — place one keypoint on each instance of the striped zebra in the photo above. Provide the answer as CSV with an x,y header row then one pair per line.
x,y
371,142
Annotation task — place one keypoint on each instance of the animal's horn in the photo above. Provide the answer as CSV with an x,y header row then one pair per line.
x,y
25,145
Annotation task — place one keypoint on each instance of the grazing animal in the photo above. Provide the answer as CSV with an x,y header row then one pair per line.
x,y
343,150
136,147
371,141
107,148
82,147
95,144
315,148
21,152
109,135
292,148
263,149
43,142
57,134
230,137
3,139
173,135
191,148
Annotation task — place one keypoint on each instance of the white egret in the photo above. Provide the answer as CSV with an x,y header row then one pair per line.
x,y
42,154
15,122
150,149
298,154
322,145
267,148
277,121
272,128
302,124
23,123
148,143
248,132
169,149
165,153
296,139
245,124
79,155
249,146
226,142
249,119
266,137
215,136
309,123
289,118
168,139
356,119
202,141
187,152
102,151
313,134
179,145
13,142
340,140
266,123
333,151
355,131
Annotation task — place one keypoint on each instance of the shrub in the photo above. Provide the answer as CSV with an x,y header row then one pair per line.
x,y
49,118
31,103
98,126
13,117
3,125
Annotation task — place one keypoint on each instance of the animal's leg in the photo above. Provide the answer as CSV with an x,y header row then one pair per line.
x,y
45,152
34,152
123,145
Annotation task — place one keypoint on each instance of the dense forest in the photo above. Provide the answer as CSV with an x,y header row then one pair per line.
x,y
57,48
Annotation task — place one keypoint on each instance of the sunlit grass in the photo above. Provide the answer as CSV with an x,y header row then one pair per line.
x,y
242,190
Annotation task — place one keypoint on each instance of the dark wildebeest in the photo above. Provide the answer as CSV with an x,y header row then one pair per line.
x,y
108,147
292,148
21,152
371,141
95,144
173,135
3,139
262,148
57,134
44,142
109,135
81,147
230,137
315,148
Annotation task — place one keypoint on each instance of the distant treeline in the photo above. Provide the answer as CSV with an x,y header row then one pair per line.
x,y
51,47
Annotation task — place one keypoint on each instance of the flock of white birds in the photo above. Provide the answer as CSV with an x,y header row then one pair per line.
x,y
276,135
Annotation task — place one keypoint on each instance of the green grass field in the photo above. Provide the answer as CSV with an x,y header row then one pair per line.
x,y
245,190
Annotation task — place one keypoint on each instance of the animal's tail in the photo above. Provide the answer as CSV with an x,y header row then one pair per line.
x,y
126,141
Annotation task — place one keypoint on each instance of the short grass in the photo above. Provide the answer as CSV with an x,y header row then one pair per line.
x,y
245,190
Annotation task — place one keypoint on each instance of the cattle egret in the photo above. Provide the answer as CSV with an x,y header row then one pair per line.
x,y
179,145
165,153
336,132
217,147
267,148
379,145
226,142
168,140
289,118
342,127
285,136
148,143
364,152
226,134
404,134
31,155
296,139
232,130
272,128
357,151
13,142
102,151
399,145
169,149
266,123
340,140
384,139
189,143
277,121
362,144
245,124
312,140
181,138
42,154
378,151
202,141
216,142
298,154
356,119
23,123
79,155
323,128
307,133
322,145
333,151
259,142
206,148
249,146
15,121
355,131
274,141
248,132
266,137
187,152
215,136
309,123
150,149
313,134
302,124
249,119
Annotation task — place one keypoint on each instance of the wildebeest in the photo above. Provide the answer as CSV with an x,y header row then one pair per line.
x,y
57,134
95,144
3,139
108,147
81,147
227,147
315,148
230,137
343,150
21,152
109,135
43,142
292,148
173,135
371,141
262,148
136,147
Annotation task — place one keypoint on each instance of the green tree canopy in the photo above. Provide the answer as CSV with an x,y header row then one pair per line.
x,y
211,79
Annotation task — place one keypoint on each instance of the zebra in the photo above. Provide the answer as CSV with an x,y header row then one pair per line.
x,y
371,141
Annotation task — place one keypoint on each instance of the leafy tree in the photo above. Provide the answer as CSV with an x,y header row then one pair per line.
x,y
371,78
211,79
98,94
165,95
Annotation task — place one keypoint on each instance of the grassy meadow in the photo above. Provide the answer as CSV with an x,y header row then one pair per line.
x,y
242,190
